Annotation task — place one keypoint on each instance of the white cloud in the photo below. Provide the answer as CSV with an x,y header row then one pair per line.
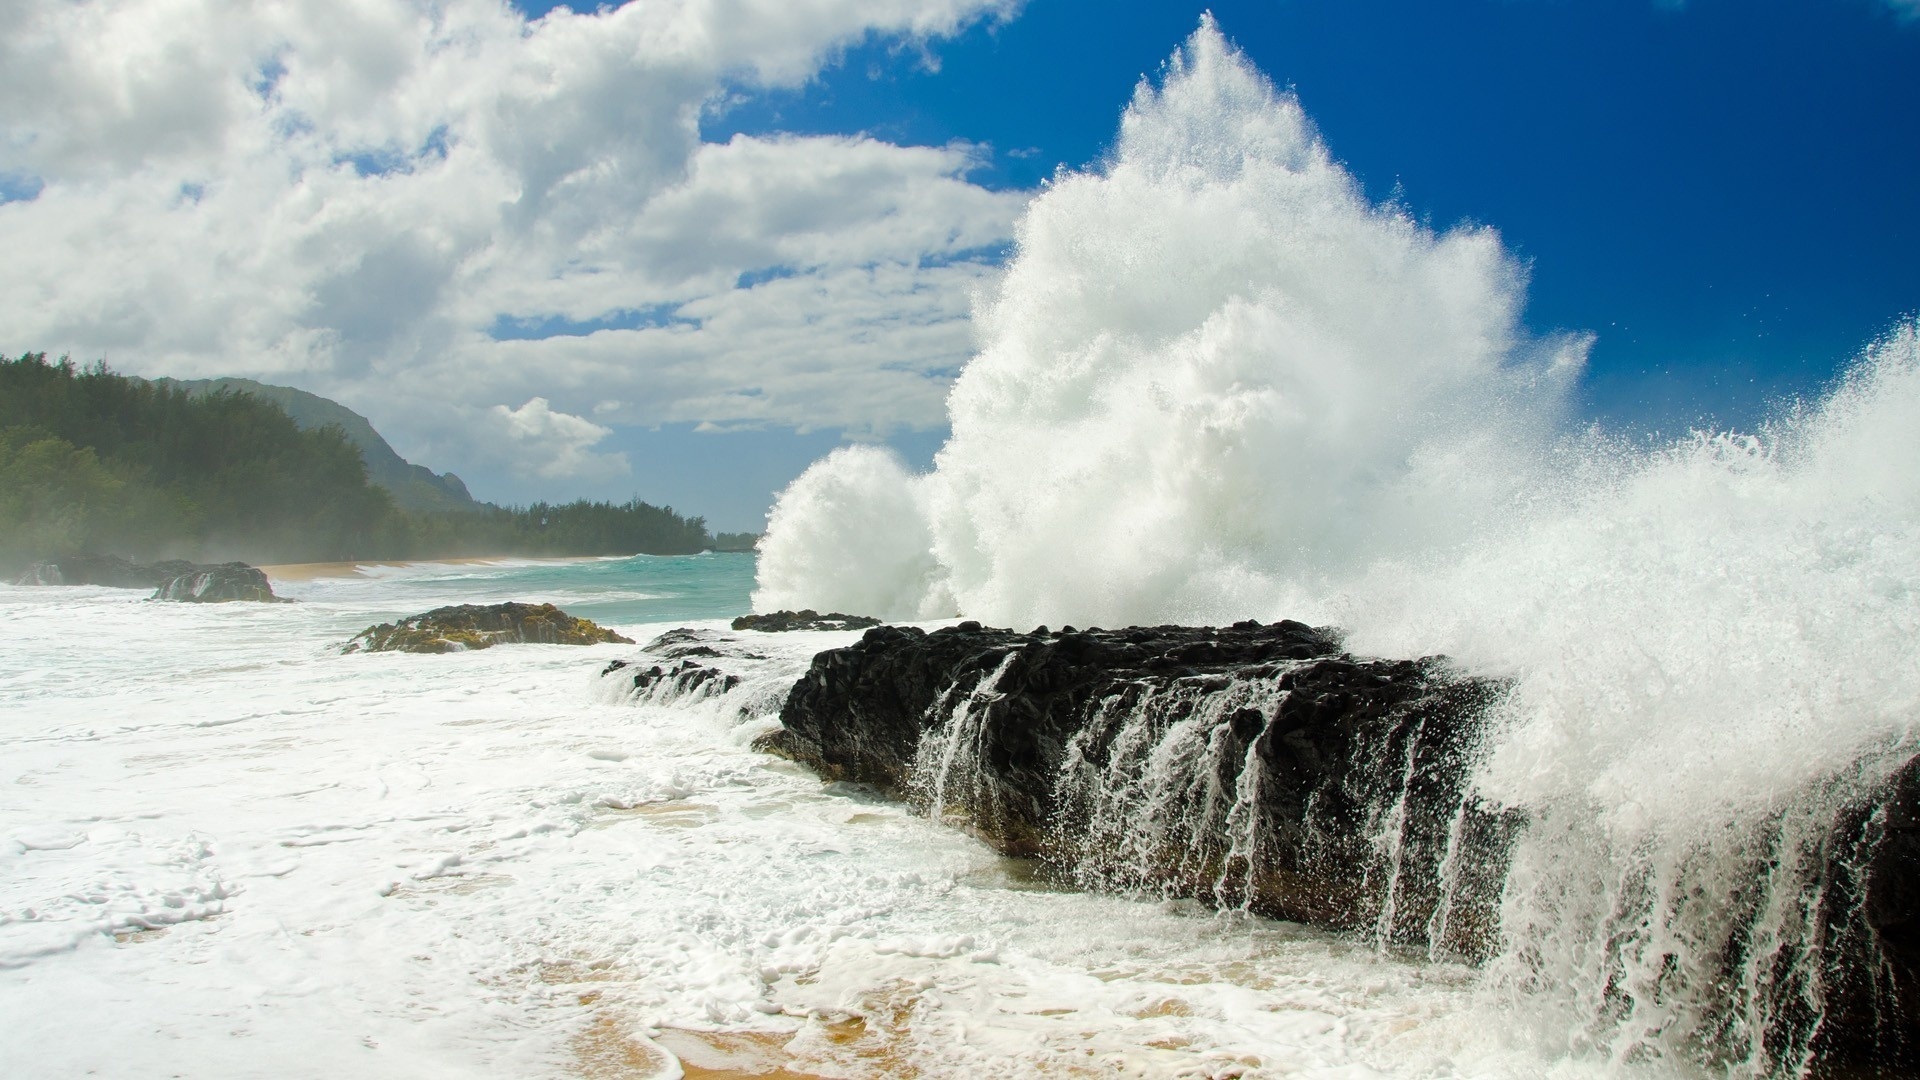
x,y
536,440
353,194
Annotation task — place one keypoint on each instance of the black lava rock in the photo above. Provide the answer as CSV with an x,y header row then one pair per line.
x,y
1262,767
807,619
1250,765
220,584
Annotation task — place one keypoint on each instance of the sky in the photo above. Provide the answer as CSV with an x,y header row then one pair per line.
x,y
679,249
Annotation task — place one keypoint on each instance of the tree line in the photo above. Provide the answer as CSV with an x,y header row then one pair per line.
x,y
91,460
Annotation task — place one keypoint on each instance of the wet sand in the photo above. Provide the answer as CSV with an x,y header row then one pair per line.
x,y
606,1050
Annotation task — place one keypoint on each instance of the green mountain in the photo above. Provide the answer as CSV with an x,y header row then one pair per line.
x,y
414,488
95,462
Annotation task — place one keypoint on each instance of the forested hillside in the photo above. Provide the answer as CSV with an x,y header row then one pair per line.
x,y
95,461
413,487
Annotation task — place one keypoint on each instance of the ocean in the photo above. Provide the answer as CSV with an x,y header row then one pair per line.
x,y
227,849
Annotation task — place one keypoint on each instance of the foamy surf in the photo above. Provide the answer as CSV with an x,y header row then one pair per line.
x,y
233,851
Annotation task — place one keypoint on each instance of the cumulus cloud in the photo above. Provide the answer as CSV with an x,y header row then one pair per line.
x,y
434,209
537,440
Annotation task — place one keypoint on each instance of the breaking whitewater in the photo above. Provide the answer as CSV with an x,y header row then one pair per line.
x,y
1215,384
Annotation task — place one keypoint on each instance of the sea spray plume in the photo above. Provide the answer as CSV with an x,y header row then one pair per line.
x,y
850,535
1717,658
1217,381
1214,368
1708,621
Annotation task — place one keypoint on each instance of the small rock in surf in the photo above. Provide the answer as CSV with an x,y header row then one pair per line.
x,y
228,582
806,619
482,626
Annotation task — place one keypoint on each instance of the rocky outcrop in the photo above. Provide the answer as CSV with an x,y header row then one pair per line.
x,y
1262,767
172,579
684,673
1253,766
675,680
109,570
805,619
225,583
1865,969
750,678
481,626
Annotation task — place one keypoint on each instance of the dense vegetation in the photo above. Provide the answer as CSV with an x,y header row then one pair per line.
x,y
94,461
576,528
414,488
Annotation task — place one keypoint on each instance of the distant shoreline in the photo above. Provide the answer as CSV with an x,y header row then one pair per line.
x,y
313,571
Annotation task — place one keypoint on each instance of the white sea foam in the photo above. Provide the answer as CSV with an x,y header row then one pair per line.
x,y
1216,383
229,850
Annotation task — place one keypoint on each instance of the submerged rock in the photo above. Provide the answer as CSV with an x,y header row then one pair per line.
x,y
112,571
480,626
748,675
225,583
806,619
684,675
681,679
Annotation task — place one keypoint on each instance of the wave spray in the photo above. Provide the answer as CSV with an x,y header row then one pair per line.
x,y
1216,382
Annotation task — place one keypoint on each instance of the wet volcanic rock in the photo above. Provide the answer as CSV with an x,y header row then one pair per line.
x,y
1262,767
225,583
1867,971
1249,765
805,619
684,675
480,626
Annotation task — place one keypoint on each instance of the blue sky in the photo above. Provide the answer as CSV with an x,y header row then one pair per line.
x,y
681,251
1726,193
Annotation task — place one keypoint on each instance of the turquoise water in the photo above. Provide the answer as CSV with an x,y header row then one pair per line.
x,y
621,591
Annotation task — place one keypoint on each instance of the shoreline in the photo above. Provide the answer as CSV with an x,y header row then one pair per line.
x,y
314,571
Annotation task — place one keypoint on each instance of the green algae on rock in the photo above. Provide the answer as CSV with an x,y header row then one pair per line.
x,y
482,626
